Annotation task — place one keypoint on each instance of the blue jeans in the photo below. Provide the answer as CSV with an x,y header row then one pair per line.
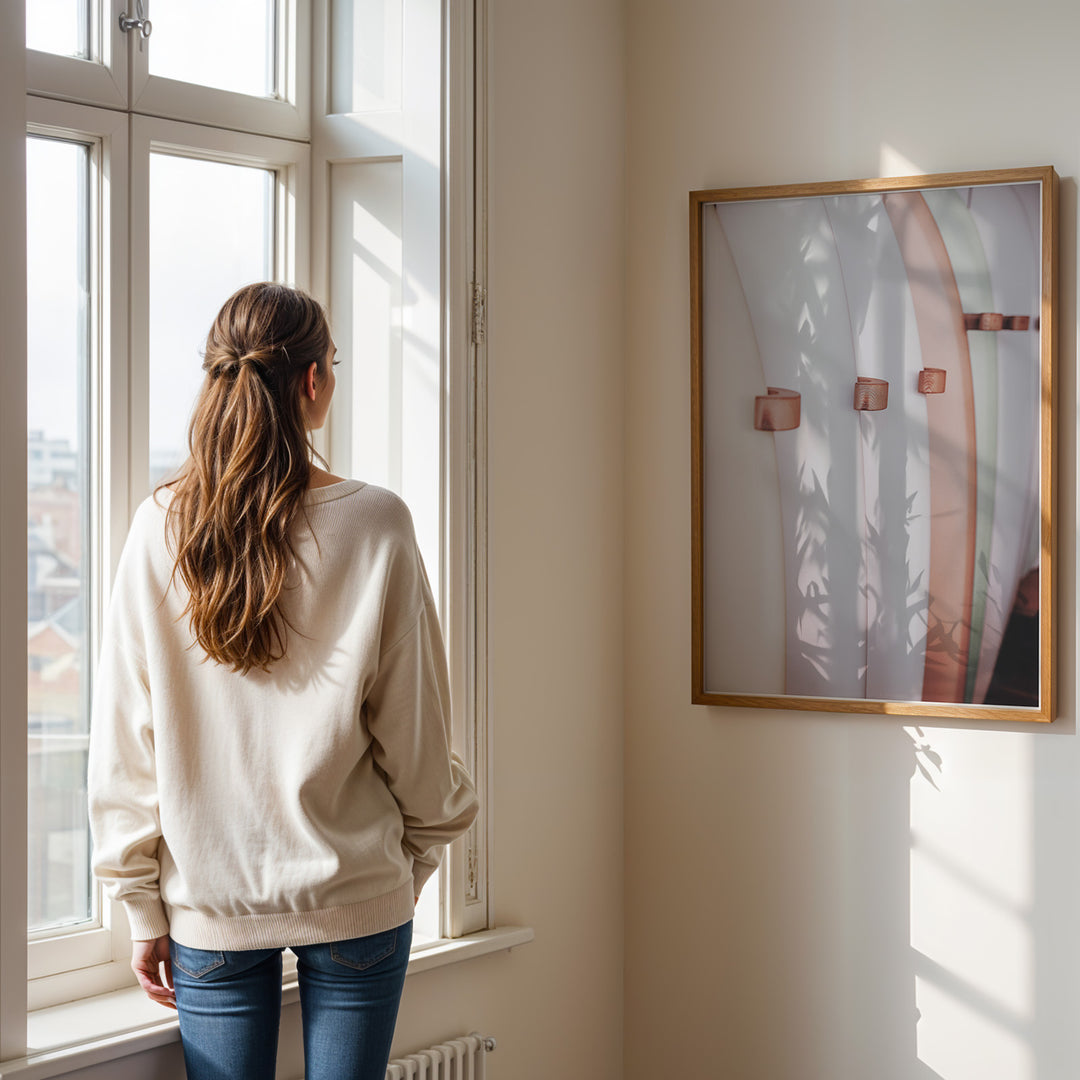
x,y
230,1007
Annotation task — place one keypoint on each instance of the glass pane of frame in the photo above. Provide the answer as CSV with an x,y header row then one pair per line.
x,y
59,26
225,46
211,231
58,528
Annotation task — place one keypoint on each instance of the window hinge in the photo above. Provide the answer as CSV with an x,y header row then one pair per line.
x,y
479,313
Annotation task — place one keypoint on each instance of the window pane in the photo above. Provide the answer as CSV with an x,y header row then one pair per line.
x,y
58,26
58,504
387,325
228,46
211,231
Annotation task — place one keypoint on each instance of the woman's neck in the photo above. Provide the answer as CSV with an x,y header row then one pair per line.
x,y
321,478
316,479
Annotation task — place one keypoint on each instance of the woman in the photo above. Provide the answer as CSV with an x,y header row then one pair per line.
x,y
270,759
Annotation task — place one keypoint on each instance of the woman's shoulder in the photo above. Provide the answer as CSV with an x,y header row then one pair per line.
x,y
145,553
390,506
359,517
150,513
363,499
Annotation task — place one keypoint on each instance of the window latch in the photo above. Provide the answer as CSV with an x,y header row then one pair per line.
x,y
142,24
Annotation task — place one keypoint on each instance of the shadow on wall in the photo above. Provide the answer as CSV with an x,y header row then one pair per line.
x,y
925,934
994,877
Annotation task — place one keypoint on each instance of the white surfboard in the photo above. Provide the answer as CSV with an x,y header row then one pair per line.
x,y
895,469
741,517
787,262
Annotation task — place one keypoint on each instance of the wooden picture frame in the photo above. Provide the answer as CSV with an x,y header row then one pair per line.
x,y
873,445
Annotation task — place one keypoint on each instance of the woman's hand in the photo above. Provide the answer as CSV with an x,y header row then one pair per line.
x,y
148,958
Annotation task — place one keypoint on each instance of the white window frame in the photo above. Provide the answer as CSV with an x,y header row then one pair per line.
x,y
84,961
106,133
101,79
105,82
287,116
288,159
13,457
470,903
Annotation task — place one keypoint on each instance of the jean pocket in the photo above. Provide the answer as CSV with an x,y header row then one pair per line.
x,y
364,952
195,962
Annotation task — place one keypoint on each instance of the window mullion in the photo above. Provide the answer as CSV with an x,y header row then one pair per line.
x,y
286,115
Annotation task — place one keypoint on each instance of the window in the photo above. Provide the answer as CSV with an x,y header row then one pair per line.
x,y
73,233
221,209
58,226
123,256
396,274
142,154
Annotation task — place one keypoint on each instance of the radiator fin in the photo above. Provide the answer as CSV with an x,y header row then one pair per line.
x,y
456,1059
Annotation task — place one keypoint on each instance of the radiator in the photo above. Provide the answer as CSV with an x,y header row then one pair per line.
x,y
456,1059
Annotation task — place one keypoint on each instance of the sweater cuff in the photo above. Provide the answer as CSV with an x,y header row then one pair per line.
x,y
146,918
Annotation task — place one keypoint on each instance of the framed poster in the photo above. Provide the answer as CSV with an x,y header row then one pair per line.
x,y
873,445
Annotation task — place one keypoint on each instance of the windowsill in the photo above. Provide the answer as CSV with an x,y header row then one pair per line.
x,y
83,1033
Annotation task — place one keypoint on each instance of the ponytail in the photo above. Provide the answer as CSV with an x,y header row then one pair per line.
x,y
236,500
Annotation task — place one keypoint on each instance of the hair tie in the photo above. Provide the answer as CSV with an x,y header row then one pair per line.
x,y
231,364
227,365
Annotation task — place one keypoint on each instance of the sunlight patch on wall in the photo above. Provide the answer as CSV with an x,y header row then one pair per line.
x,y
962,1043
893,163
971,901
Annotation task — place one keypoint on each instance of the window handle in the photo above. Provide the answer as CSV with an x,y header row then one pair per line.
x,y
142,24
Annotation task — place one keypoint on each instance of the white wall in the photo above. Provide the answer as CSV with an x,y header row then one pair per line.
x,y
800,900
555,586
555,491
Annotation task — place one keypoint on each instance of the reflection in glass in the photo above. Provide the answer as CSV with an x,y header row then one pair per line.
x,y
58,509
58,26
211,231
229,46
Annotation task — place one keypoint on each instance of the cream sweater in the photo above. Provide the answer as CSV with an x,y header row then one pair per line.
x,y
304,805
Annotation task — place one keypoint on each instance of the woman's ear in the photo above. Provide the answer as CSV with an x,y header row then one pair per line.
x,y
309,380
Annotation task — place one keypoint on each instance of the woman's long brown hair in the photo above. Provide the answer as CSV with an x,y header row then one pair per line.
x,y
241,490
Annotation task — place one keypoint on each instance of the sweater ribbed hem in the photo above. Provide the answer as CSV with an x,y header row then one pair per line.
x,y
281,929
